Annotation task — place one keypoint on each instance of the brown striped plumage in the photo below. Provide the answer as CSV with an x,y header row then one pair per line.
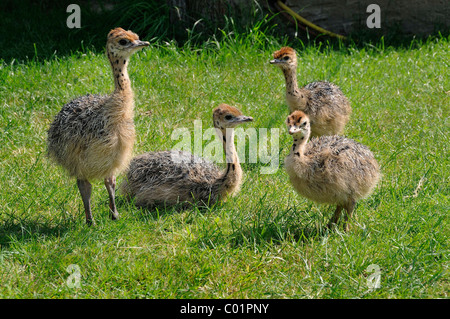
x,y
92,136
325,104
329,169
171,177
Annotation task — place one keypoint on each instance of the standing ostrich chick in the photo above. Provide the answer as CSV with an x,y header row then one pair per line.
x,y
325,104
92,136
329,169
170,177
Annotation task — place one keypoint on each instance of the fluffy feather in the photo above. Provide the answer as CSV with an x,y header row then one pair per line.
x,y
171,177
327,107
329,169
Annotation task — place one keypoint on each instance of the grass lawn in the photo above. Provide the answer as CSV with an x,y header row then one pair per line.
x,y
267,242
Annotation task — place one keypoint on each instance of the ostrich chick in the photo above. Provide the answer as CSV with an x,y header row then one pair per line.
x,y
325,104
92,136
170,177
329,169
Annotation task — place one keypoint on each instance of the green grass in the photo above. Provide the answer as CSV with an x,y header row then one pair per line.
x,y
267,242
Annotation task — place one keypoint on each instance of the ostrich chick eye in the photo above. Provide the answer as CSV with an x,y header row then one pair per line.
x,y
286,58
123,42
228,117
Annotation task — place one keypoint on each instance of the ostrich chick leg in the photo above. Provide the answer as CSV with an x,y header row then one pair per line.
x,y
85,189
349,208
335,218
110,183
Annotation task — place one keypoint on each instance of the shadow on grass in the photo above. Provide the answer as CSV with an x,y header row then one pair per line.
x,y
289,225
268,226
158,211
18,229
278,232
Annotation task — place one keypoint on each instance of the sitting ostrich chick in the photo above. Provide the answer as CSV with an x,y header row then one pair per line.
x,y
329,169
325,104
170,177
92,136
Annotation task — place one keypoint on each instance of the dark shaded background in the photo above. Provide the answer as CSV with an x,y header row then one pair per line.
x,y
37,30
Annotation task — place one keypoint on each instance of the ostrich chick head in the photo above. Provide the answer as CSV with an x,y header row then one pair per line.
x,y
285,58
122,44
